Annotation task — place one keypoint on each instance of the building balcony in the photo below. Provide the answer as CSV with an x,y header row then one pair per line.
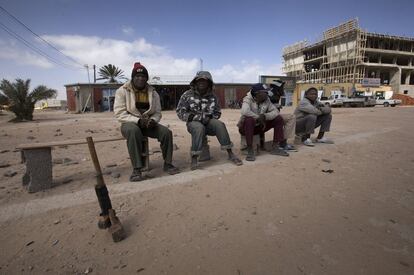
x,y
389,52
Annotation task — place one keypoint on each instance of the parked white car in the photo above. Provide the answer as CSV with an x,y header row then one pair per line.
x,y
387,102
332,101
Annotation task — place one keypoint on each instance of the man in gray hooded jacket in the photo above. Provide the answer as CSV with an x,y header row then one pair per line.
x,y
200,109
310,114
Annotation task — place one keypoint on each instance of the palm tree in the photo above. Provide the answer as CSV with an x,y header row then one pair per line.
x,y
111,72
20,101
3,102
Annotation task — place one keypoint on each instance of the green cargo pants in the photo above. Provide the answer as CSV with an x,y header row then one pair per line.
x,y
135,135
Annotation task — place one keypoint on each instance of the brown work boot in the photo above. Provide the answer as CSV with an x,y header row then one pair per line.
x,y
250,154
277,151
234,159
136,175
171,169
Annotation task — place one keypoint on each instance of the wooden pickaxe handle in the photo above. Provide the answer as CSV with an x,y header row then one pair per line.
x,y
99,177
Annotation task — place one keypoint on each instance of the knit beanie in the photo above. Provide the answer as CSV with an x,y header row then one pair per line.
x,y
258,87
138,68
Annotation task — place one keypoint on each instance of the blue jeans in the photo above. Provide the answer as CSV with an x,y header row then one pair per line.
x,y
199,131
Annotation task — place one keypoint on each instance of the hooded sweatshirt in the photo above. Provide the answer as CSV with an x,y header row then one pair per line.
x,y
250,108
191,102
125,108
306,107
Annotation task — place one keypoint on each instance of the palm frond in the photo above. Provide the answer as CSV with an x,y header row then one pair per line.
x,y
20,101
17,91
3,100
8,90
111,72
42,92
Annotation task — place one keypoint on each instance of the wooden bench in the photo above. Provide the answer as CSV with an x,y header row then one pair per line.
x,y
38,160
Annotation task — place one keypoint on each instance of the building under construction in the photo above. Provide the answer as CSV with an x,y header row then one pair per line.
x,y
349,58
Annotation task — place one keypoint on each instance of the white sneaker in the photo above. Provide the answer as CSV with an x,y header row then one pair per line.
x,y
324,140
308,142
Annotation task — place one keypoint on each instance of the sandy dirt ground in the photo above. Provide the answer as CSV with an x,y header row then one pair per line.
x,y
278,215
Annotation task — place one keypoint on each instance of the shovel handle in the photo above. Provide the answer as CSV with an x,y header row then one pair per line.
x,y
95,160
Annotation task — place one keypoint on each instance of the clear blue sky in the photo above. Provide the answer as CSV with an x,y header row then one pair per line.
x,y
237,40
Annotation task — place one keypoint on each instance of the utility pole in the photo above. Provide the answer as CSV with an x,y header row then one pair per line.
x,y
94,73
87,70
90,97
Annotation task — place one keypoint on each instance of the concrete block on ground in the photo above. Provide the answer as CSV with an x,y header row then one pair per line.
x,y
205,151
38,174
256,143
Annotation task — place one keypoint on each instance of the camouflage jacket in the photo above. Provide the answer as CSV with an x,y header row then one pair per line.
x,y
192,103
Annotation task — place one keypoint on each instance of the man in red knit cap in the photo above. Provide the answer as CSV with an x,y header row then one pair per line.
x,y
137,107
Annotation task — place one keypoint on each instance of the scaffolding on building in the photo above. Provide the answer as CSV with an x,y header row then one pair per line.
x,y
337,57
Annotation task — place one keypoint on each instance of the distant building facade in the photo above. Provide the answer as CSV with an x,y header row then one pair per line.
x,y
100,97
56,104
348,58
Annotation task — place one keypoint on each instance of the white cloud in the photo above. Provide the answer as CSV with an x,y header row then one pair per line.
x,y
101,51
9,50
127,30
247,72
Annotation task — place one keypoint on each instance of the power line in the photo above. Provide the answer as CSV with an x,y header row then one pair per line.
x,y
41,38
34,48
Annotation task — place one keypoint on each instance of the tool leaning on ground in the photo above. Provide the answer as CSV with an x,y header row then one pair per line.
x,y
108,218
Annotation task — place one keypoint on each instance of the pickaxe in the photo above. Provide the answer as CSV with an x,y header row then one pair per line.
x,y
108,218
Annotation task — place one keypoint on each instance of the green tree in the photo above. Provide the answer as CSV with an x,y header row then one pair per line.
x,y
111,73
3,100
21,102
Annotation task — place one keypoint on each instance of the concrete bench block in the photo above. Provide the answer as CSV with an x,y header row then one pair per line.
x,y
38,160
145,155
205,150
38,174
256,143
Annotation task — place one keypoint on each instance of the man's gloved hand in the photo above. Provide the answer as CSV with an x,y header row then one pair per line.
x,y
325,110
143,122
206,119
151,123
197,117
261,120
319,112
190,117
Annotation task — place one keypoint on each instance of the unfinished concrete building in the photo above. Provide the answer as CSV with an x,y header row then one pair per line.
x,y
348,57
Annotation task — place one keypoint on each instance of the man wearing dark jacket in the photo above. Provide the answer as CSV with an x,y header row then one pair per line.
x,y
259,115
200,109
311,114
289,120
